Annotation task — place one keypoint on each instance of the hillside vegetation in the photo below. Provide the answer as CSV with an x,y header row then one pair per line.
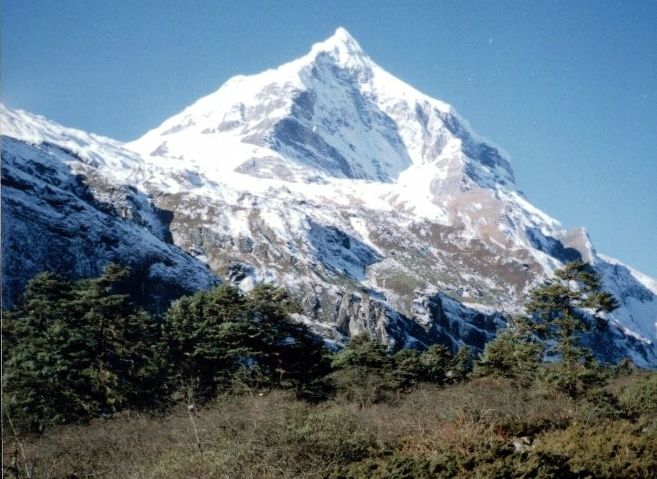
x,y
226,384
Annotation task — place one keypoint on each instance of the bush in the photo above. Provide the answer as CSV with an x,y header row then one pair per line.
x,y
364,386
640,398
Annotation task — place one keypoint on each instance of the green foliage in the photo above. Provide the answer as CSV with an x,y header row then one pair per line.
x,y
367,373
640,398
37,354
560,310
223,338
364,352
482,428
286,350
408,367
364,372
429,366
435,362
203,337
74,351
461,365
512,354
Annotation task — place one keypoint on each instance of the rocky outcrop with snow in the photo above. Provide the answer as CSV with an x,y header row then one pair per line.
x,y
67,206
378,205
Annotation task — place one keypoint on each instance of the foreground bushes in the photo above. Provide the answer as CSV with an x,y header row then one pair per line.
x,y
483,428
640,398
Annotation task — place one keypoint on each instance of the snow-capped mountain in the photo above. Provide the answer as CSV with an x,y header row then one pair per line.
x,y
376,204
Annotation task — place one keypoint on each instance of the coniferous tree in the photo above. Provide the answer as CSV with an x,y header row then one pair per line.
x,y
562,309
430,366
217,338
204,337
435,361
461,365
119,339
514,353
408,367
363,352
75,351
364,371
286,350
39,380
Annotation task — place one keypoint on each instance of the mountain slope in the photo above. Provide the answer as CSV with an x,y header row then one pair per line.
x,y
377,205
66,207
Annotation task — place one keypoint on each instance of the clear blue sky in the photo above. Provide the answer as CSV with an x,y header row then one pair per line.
x,y
568,88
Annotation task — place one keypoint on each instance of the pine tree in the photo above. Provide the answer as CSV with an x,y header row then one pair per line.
x,y
430,366
365,352
205,335
287,351
218,338
39,382
76,351
514,353
435,363
461,365
119,339
408,367
561,310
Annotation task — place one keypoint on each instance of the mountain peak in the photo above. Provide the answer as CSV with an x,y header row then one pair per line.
x,y
341,35
342,47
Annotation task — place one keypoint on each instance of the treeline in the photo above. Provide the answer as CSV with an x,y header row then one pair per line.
x,y
78,350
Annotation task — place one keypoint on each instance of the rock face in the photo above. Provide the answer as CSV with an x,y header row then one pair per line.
x,y
377,205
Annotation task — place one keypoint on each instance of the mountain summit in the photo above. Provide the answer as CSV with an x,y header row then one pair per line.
x,y
377,205
333,113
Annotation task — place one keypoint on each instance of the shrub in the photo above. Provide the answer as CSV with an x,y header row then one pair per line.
x,y
640,398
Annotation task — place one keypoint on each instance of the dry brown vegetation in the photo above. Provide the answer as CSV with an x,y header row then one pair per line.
x,y
482,428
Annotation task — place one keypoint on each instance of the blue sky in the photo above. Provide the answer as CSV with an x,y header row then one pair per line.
x,y
569,89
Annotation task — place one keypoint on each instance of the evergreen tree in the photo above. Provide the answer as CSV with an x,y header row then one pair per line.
x,y
288,352
408,367
39,380
461,365
119,340
75,351
435,361
431,365
364,352
221,337
364,371
514,353
561,309
204,336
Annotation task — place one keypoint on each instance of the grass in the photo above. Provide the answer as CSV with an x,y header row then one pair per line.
x,y
482,428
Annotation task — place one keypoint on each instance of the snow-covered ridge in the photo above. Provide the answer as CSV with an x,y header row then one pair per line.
x,y
644,279
97,151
